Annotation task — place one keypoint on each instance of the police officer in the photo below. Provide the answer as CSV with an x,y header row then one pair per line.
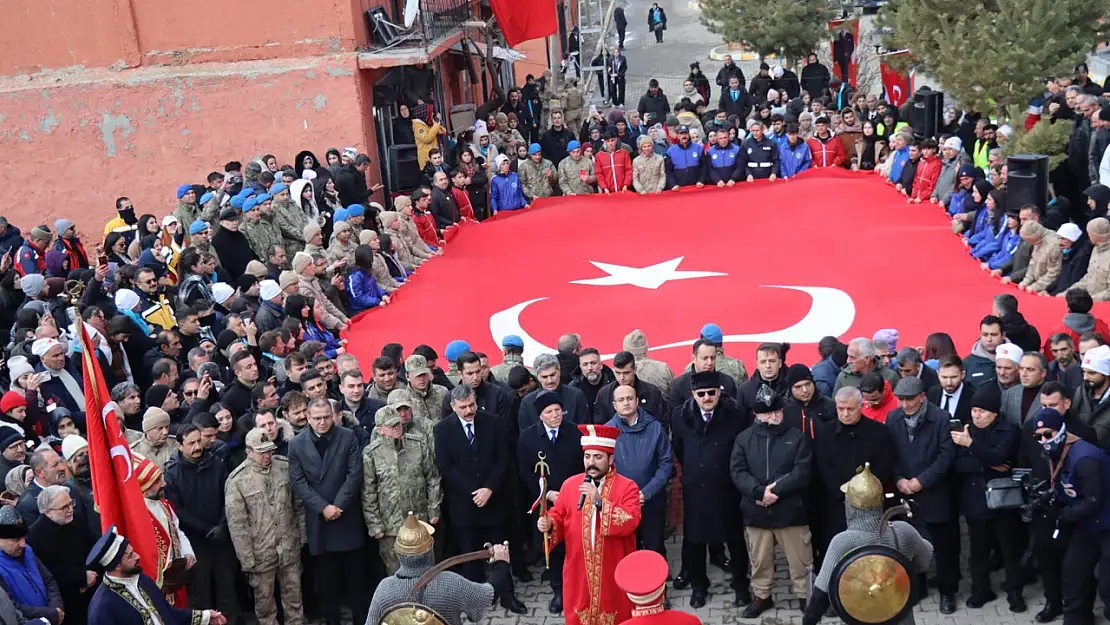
x,y
761,155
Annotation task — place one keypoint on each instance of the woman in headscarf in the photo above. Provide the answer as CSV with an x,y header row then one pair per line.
x,y
379,268
388,251
362,289
303,195
870,149
115,247
300,308
411,258
402,127
306,160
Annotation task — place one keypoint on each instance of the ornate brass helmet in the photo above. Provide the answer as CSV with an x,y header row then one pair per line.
x,y
414,537
864,491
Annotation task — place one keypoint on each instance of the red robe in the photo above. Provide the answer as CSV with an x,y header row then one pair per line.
x,y
659,616
169,549
590,594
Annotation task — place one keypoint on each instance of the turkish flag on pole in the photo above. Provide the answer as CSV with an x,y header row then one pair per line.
x,y
521,20
897,86
115,491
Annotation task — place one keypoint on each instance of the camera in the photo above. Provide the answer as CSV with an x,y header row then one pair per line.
x,y
1038,493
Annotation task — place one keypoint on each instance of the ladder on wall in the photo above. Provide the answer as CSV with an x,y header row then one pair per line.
x,y
593,23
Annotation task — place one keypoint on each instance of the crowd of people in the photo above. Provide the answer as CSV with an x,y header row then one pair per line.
x,y
279,469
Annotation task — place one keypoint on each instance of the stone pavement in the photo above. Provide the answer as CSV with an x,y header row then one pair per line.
x,y
720,610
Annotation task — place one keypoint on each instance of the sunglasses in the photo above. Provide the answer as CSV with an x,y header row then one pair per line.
x,y
1046,436
706,393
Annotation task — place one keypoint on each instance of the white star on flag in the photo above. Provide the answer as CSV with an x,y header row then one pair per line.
x,y
651,277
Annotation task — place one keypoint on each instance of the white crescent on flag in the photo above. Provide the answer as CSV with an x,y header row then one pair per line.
x,y
117,451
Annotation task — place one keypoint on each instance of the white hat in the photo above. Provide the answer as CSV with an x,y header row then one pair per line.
x,y
41,346
18,366
350,153
1097,359
268,290
1006,130
501,158
1008,351
73,444
221,291
953,143
777,71
126,299
169,219
1070,232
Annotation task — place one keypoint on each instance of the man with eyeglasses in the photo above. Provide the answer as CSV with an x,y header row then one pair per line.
x,y
61,545
155,308
703,430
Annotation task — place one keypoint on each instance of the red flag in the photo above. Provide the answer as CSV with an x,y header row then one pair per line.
x,y
521,20
116,492
897,87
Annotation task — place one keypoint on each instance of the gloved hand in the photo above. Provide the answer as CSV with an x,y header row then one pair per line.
x,y
502,580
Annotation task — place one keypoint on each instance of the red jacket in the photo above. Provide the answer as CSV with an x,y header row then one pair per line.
x,y
426,227
1046,347
462,200
613,170
827,153
888,404
925,181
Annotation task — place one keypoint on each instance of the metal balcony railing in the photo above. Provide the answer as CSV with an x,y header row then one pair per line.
x,y
435,20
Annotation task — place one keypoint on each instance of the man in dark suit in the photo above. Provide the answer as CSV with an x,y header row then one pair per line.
x,y
651,398
325,470
910,365
49,470
925,456
561,446
953,393
476,464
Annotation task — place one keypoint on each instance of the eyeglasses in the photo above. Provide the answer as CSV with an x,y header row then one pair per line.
x,y
69,506
189,393
712,392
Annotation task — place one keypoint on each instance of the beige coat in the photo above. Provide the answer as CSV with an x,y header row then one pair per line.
x,y
1097,279
1044,265
333,318
649,174
262,516
570,176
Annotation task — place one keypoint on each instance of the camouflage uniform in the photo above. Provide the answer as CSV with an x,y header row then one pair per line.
x,y
381,274
1097,279
333,318
211,209
501,139
428,405
536,179
337,251
652,371
261,235
207,249
570,175
574,105
158,455
383,396
261,518
501,371
186,214
400,475
290,221
453,374
731,367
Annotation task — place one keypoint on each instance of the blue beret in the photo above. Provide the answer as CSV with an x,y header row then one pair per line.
x,y
712,333
340,215
455,349
573,145
197,227
207,196
534,148
250,204
356,210
263,198
278,188
513,340
237,201
183,189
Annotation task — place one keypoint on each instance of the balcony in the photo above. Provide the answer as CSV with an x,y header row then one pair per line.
x,y
438,25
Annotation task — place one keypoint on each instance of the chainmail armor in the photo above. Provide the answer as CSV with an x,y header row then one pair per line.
x,y
449,594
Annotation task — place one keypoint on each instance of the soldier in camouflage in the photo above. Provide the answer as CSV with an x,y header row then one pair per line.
x,y
187,210
289,219
649,370
537,175
731,367
401,400
574,104
512,346
269,221
259,234
262,521
576,172
399,476
200,239
427,397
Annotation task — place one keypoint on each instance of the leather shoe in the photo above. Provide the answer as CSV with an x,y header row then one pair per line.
x,y
743,597
556,605
1016,601
681,582
523,575
515,606
666,604
720,561
757,607
697,599
1048,614
979,599
947,604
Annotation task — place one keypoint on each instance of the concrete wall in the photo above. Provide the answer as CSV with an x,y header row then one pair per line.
x,y
76,143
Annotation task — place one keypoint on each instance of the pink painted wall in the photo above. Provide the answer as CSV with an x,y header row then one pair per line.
x,y
75,147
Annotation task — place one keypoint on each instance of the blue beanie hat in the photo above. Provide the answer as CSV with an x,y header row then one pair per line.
x,y
967,170
204,198
712,333
356,210
250,204
278,188
534,148
263,198
1048,418
340,215
183,189
197,227
237,201
455,349
573,145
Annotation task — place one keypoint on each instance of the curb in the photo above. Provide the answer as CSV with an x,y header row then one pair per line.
x,y
718,54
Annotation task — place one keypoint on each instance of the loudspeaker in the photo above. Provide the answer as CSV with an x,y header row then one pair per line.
x,y
404,167
385,32
1027,181
927,113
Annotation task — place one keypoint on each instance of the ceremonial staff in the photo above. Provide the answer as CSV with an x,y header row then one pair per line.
x,y
543,470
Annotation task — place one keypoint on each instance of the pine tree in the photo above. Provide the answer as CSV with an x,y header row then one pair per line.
x,y
993,53
789,29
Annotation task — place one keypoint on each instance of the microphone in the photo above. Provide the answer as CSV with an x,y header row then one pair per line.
x,y
582,498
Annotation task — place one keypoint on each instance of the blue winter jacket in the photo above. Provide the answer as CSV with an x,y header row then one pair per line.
x,y
363,291
991,241
505,193
901,157
643,455
961,202
315,332
794,160
780,140
981,227
1010,242
723,164
824,376
684,165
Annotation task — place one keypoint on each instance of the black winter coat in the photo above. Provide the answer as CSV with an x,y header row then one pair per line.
x,y
62,550
553,143
750,387
335,479
1074,266
781,455
759,87
564,458
815,79
1020,332
234,250
840,450
465,468
657,106
575,409
197,493
993,446
350,184
712,501
681,389
928,458
592,392
728,71
806,417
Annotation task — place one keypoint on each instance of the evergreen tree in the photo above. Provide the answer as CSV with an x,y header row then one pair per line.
x,y
790,29
993,53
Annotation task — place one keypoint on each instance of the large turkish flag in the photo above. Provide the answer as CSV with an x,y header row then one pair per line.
x,y
830,252
521,20
897,86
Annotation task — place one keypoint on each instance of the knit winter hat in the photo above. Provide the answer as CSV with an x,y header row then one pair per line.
x,y
61,225
41,233
18,366
286,279
636,343
221,291
32,284
340,226
796,373
155,417
257,269
72,444
310,231
126,299
366,236
300,261
9,434
10,401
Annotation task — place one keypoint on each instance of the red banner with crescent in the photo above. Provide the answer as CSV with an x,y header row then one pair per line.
x,y
115,490
897,86
844,49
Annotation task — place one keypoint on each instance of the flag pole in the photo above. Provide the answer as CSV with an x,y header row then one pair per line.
x,y
86,358
543,469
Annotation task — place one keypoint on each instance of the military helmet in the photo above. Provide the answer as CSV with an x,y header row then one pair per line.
x,y
414,538
864,491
